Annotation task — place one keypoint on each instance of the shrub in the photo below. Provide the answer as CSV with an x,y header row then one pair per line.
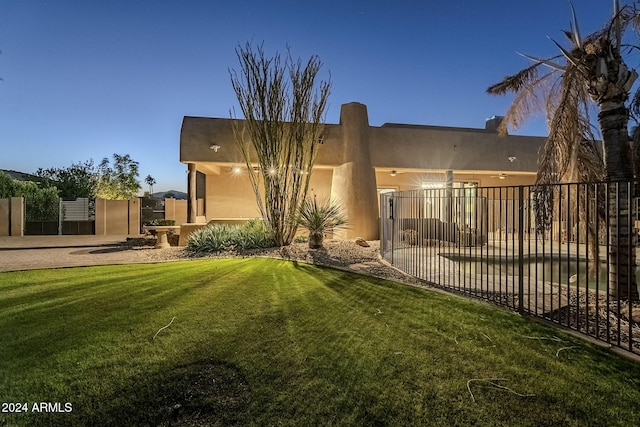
x,y
161,222
43,203
410,236
7,186
319,217
222,237
301,239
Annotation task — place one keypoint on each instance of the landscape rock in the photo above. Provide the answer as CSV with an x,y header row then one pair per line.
x,y
361,242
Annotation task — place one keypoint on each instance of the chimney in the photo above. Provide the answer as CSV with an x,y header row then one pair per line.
x,y
491,124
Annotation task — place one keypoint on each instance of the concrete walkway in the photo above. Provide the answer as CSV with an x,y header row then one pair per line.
x,y
33,252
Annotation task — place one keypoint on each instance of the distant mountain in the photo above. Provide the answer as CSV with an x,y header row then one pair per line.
x,y
178,195
21,176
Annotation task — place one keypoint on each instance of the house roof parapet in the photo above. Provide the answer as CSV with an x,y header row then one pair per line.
x,y
392,145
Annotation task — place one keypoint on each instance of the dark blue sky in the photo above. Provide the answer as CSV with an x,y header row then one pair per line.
x,y
86,79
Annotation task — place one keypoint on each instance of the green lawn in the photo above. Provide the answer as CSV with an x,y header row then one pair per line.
x,y
270,342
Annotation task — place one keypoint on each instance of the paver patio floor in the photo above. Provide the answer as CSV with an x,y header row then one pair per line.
x,y
33,252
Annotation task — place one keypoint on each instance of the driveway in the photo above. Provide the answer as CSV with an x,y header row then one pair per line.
x,y
32,252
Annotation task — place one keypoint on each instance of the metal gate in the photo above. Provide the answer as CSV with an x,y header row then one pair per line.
x,y
49,218
42,217
78,216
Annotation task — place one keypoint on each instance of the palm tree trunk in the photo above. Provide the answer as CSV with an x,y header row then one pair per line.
x,y
613,120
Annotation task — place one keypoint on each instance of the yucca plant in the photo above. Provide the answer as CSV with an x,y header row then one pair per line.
x,y
320,217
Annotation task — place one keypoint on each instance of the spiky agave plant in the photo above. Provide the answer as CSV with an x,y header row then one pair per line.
x,y
318,217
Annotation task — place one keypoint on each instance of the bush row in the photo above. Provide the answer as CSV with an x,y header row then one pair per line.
x,y
222,237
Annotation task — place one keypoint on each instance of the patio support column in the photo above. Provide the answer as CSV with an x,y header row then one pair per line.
x,y
192,202
449,196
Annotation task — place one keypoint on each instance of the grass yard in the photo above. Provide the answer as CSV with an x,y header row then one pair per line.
x,y
270,342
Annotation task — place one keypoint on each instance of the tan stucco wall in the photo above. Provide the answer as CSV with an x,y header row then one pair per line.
x,y
390,146
175,210
198,134
134,216
354,181
4,217
12,217
117,217
231,195
321,181
17,216
357,158
441,148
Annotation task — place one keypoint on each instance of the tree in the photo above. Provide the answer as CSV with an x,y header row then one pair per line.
x,y
76,181
7,188
120,181
592,71
284,118
150,181
43,202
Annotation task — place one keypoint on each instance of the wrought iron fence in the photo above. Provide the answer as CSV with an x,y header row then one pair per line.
x,y
564,253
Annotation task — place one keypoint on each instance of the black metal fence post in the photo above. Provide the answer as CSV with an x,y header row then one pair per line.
x,y
558,270
393,228
521,249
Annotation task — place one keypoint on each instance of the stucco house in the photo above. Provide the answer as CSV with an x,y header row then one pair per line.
x,y
356,162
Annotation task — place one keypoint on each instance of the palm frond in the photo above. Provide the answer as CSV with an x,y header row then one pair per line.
x,y
635,103
569,155
548,62
634,22
575,30
515,82
569,55
529,100
616,23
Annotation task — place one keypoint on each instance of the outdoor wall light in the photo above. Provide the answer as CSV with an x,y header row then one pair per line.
x,y
512,159
215,148
394,173
236,170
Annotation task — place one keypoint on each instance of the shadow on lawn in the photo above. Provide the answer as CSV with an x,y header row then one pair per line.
x,y
203,393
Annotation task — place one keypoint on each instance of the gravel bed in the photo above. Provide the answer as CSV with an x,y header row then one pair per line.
x,y
601,320
341,254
